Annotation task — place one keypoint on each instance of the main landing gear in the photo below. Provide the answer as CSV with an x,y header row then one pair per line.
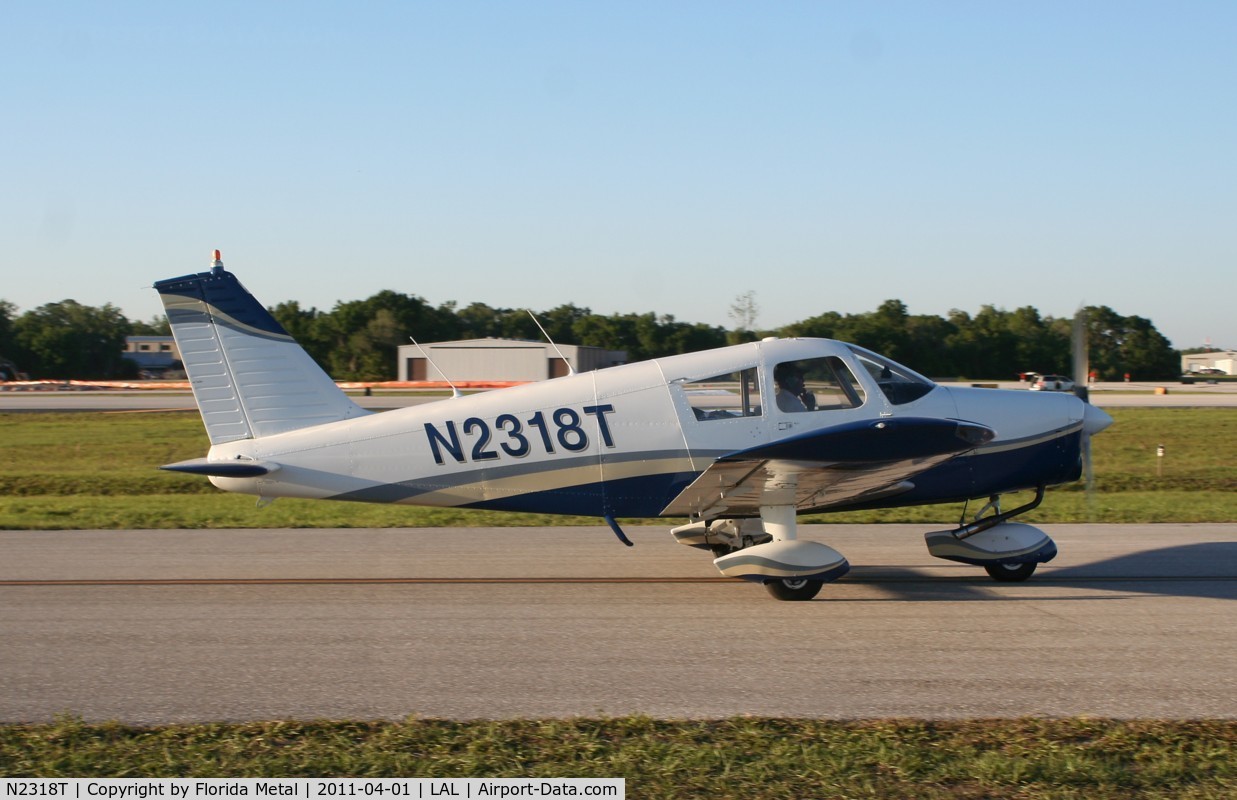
x,y
1008,551
766,551
794,588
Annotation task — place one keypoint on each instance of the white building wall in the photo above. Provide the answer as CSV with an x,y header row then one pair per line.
x,y
1221,359
496,364
501,359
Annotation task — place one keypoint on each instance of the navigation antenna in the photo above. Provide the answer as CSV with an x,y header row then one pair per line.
x,y
570,369
454,391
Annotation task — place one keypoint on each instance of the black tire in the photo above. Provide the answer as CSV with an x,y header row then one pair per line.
x,y
794,588
1011,573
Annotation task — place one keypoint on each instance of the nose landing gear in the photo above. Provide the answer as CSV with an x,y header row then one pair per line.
x,y
1009,572
1008,551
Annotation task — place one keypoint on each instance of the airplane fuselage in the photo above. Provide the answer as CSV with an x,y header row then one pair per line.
x,y
625,441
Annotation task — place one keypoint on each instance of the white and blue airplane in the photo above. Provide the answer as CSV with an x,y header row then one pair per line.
x,y
738,440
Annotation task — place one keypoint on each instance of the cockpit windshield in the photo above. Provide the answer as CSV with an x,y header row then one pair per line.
x,y
900,385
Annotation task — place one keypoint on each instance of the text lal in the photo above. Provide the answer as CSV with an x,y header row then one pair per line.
x,y
504,790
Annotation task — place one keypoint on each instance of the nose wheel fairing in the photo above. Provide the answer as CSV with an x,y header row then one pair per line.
x,y
1006,543
1009,551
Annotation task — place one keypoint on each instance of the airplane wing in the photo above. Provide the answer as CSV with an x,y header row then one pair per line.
x,y
832,466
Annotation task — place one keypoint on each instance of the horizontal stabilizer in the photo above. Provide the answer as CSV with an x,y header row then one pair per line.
x,y
239,468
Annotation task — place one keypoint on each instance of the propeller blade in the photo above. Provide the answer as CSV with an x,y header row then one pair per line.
x,y
1094,420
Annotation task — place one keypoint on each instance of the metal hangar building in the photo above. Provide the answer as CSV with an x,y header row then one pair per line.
x,y
500,360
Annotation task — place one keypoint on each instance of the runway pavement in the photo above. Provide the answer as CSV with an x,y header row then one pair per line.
x,y
175,626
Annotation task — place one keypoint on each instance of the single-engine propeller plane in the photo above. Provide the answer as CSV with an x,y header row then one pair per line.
x,y
738,440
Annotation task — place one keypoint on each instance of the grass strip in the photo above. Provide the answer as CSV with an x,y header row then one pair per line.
x,y
738,757
99,470
219,510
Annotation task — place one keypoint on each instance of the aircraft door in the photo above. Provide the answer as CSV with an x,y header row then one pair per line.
x,y
809,392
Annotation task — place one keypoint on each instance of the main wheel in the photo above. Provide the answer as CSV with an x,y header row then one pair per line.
x,y
794,588
1011,573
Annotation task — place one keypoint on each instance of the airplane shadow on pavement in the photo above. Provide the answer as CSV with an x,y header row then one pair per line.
x,y
1205,570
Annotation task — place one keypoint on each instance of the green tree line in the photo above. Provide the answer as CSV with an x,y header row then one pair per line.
x,y
358,339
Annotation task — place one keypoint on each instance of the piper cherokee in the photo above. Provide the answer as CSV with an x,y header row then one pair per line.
x,y
738,440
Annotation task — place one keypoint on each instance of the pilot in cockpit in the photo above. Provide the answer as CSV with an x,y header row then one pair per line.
x,y
792,395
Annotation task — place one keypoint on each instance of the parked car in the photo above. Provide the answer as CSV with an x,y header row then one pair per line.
x,y
1052,383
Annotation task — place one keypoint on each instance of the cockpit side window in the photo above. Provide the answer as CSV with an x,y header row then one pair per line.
x,y
727,396
816,384
899,384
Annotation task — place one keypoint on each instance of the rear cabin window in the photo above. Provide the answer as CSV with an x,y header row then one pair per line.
x,y
816,384
728,396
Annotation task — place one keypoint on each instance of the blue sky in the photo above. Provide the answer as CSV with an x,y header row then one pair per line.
x,y
630,157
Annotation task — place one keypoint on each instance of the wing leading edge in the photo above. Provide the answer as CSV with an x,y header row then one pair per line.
x,y
827,467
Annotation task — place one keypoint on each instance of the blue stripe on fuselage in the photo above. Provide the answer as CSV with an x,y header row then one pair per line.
x,y
977,475
643,496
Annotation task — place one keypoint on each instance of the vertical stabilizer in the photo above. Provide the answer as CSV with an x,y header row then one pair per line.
x,y
249,377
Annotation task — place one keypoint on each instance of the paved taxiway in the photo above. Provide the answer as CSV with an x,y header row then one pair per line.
x,y
164,626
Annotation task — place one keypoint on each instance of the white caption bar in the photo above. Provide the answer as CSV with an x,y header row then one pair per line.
x,y
311,788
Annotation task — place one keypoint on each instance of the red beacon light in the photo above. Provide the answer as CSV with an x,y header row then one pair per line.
x,y
217,262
